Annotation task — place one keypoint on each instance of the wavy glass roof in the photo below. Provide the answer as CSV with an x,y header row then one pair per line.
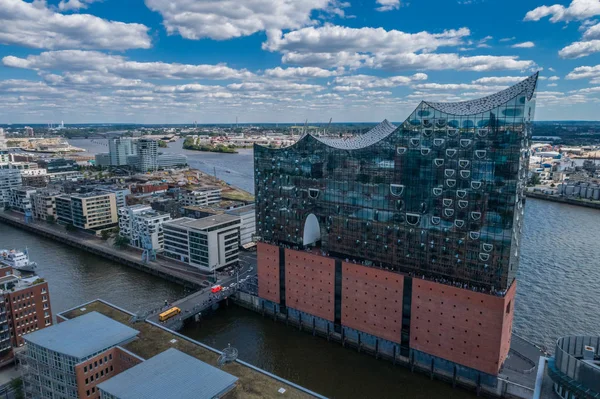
x,y
490,102
371,137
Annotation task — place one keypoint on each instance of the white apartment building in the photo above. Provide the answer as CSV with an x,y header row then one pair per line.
x,y
8,178
119,149
19,199
209,243
44,204
139,221
247,215
147,155
201,197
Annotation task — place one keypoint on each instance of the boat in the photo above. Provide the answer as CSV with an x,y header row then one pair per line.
x,y
18,260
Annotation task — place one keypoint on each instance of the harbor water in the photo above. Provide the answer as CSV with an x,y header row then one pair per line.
x,y
556,295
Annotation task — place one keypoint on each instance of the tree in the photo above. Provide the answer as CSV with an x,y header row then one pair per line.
x,y
121,242
50,219
105,234
534,180
17,386
70,227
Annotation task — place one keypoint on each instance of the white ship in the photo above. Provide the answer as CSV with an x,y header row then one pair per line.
x,y
18,260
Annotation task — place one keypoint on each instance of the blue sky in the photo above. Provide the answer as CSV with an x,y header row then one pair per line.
x,y
179,61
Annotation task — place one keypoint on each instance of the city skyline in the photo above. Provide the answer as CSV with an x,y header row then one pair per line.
x,y
90,61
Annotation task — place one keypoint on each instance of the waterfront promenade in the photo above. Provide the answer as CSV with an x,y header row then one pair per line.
x,y
176,272
564,200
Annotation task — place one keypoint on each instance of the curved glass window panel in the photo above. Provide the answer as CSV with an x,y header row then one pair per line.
x,y
413,218
427,123
475,185
463,163
468,123
454,123
450,152
480,153
449,212
438,142
449,172
475,215
463,204
425,151
450,182
459,223
400,150
438,161
447,202
313,193
484,257
487,247
452,132
465,143
415,142
437,191
435,220
461,193
396,189
440,123
399,205
427,132
415,122
482,132
474,235
465,174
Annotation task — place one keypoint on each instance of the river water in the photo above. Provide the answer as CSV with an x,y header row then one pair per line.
x,y
557,294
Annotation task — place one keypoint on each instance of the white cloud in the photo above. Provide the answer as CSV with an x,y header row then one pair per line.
x,y
334,38
433,61
388,5
580,49
552,84
551,69
78,60
507,39
577,10
372,82
499,80
70,5
591,33
553,78
457,86
327,60
523,45
301,73
226,19
34,25
277,86
584,72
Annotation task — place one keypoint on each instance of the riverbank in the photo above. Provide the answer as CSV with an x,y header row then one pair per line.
x,y
564,200
166,269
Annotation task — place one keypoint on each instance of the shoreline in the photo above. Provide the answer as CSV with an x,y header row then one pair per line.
x,y
563,200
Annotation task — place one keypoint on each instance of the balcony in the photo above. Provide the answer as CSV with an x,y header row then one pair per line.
x,y
576,366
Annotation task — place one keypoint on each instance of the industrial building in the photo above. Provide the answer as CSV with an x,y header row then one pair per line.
x,y
404,239
208,243
143,226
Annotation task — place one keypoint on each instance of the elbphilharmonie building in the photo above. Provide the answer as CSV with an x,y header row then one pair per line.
x,y
404,239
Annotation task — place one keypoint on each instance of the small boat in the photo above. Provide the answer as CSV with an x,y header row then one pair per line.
x,y
18,260
227,171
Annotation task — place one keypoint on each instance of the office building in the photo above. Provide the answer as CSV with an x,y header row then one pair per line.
x,y
406,238
88,211
68,176
25,167
247,215
44,204
19,199
102,160
27,303
201,197
9,178
55,165
171,161
208,244
575,367
119,192
71,358
143,226
147,155
169,375
119,149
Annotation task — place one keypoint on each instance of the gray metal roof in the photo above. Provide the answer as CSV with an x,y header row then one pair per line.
x,y
170,374
203,223
373,136
488,103
82,336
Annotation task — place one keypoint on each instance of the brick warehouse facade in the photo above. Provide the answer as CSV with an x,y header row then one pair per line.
x,y
405,238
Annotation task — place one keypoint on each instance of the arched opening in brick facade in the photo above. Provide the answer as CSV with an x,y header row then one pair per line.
x,y
312,230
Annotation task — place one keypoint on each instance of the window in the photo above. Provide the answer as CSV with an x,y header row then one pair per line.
x,y
508,307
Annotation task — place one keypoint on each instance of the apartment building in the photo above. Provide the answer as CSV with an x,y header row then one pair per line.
x,y
208,243
9,178
19,199
88,211
201,197
247,215
143,225
119,149
44,204
147,155
25,308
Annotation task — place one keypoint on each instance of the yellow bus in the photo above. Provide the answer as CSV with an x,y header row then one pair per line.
x,y
167,314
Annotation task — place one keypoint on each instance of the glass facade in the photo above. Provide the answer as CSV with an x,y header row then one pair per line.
x,y
439,196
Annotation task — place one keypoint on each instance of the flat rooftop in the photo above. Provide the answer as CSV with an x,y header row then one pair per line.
x,y
83,336
170,374
242,210
153,340
204,223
